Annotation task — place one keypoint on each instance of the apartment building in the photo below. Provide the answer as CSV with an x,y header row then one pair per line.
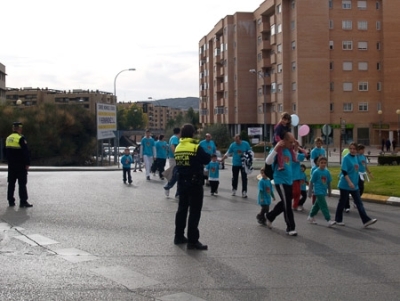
x,y
26,97
330,62
2,83
158,115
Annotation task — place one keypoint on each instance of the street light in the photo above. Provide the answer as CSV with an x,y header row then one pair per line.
x,y
116,113
264,75
380,123
398,126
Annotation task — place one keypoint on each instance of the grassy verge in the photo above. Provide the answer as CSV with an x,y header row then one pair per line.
x,y
385,180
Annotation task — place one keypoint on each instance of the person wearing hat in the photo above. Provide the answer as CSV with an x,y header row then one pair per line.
x,y
18,159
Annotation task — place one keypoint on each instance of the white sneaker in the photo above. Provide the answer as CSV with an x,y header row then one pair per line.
x,y
269,224
340,223
166,191
292,233
244,194
216,193
370,222
347,210
311,220
300,208
233,192
331,223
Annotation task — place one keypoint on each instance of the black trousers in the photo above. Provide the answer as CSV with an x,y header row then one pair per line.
x,y
126,173
303,197
235,177
190,196
22,176
160,165
214,186
284,205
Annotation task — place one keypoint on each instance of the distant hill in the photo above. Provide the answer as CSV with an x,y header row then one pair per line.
x,y
180,103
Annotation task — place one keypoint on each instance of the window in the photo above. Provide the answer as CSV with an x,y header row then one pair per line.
x,y
293,66
330,65
347,87
260,91
363,106
330,4
279,66
292,25
362,25
362,45
330,45
377,5
293,4
279,9
348,107
279,48
280,107
279,28
331,106
347,45
378,45
259,40
280,88
362,66
346,4
378,25
259,57
330,24
362,4
273,30
273,87
362,86
347,66
347,24
332,86
293,45
379,86
294,86
378,66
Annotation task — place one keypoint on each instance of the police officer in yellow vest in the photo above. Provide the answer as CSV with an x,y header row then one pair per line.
x,y
18,159
190,160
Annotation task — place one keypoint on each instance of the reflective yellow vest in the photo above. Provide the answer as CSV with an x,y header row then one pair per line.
x,y
12,141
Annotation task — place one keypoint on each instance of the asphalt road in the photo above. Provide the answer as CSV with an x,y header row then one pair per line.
x,y
90,237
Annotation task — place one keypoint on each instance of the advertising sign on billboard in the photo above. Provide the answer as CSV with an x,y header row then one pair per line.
x,y
106,121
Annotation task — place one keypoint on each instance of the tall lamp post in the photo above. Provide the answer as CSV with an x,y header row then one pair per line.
x,y
116,114
263,75
380,128
398,127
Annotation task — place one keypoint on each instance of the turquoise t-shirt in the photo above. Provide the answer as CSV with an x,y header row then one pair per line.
x,y
237,151
297,173
147,145
284,176
265,192
161,149
350,165
362,161
315,153
208,146
174,140
213,170
320,179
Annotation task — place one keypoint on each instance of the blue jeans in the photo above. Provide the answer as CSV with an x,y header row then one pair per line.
x,y
344,198
173,180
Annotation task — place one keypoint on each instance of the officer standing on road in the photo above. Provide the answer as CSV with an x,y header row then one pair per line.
x,y
190,159
18,159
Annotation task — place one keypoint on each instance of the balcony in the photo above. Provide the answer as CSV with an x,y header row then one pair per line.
x,y
266,45
272,39
266,61
220,87
220,72
265,27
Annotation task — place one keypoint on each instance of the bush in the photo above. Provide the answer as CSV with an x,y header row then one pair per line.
x,y
389,160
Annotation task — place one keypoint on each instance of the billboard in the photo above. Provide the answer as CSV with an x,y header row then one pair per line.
x,y
106,116
254,131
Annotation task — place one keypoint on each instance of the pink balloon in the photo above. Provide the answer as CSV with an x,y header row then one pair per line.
x,y
304,130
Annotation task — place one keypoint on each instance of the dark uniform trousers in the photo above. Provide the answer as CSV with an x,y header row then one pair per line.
x,y
190,194
22,176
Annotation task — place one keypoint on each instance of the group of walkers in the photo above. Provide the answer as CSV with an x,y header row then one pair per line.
x,y
192,162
